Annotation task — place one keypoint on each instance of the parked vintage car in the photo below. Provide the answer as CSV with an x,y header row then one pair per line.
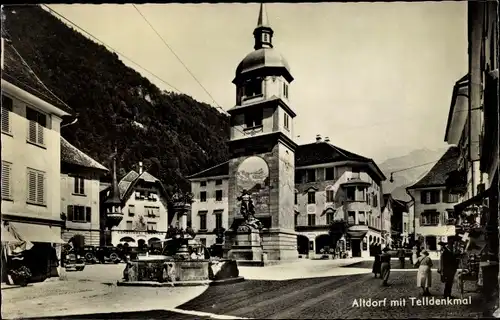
x,y
73,261
108,254
89,253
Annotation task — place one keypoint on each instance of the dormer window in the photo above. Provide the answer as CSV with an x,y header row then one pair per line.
x,y
253,88
253,118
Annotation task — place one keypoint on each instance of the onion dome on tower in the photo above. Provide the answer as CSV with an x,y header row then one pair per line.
x,y
264,57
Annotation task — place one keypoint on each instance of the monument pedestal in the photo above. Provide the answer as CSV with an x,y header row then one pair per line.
x,y
280,244
244,246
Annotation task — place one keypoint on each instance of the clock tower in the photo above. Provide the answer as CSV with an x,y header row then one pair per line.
x,y
261,144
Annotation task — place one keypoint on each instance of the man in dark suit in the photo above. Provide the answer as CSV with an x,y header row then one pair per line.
x,y
448,266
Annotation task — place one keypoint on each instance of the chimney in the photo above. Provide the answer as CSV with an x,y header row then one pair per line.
x,y
318,138
327,139
140,167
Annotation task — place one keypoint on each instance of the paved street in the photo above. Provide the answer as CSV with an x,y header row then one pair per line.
x,y
395,264
328,292
327,298
88,292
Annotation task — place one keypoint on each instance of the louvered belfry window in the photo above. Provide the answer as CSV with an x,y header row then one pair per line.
x,y
37,122
36,187
6,180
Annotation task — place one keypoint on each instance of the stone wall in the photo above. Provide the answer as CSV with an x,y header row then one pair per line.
x,y
179,270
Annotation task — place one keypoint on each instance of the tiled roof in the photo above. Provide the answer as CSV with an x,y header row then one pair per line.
x,y
126,181
104,186
219,170
17,72
70,154
307,154
438,174
323,152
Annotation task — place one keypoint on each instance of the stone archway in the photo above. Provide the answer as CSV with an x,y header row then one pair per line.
x,y
302,244
153,240
323,241
141,243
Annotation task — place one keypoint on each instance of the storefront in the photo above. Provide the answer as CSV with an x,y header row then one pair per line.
x,y
477,229
31,245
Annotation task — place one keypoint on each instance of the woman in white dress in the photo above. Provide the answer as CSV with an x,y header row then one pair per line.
x,y
424,275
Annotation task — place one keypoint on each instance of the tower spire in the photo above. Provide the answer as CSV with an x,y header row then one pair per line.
x,y
263,21
263,33
115,192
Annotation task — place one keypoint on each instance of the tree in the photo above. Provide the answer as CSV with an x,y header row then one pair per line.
x,y
181,136
337,229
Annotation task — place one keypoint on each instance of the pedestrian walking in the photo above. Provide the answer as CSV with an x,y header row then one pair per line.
x,y
376,262
448,266
385,266
401,255
424,274
414,255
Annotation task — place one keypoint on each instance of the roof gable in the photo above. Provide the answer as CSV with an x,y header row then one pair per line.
x,y
439,173
130,181
126,181
72,155
323,152
18,72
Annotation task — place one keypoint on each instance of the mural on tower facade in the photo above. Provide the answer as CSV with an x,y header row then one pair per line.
x,y
253,176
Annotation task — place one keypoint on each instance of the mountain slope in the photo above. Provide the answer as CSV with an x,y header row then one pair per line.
x,y
173,134
405,178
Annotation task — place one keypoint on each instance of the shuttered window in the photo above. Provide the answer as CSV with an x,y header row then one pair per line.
x,y
79,214
36,187
6,110
37,122
6,180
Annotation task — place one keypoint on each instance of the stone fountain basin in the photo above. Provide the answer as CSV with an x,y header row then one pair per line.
x,y
159,270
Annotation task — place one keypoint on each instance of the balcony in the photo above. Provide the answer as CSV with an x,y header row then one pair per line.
x,y
357,231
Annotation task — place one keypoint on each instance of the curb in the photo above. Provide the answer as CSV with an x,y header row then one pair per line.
x,y
155,284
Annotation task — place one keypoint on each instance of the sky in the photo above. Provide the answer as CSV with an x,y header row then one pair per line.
x,y
376,78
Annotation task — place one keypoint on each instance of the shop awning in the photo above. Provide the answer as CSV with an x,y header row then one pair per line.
x,y
476,200
7,236
36,232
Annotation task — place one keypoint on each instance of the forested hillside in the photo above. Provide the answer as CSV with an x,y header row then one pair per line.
x,y
173,134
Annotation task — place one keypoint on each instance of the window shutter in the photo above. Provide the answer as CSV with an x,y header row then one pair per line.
x,y
5,120
75,185
82,185
32,186
40,134
88,214
422,197
40,184
6,182
32,131
70,213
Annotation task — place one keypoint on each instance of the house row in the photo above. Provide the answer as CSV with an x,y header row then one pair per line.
x,y
51,191
460,193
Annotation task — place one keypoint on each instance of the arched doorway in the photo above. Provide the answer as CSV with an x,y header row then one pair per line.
x,y
302,244
323,241
153,240
141,243
128,240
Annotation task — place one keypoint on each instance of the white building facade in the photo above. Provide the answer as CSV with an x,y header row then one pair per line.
x,y
31,153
